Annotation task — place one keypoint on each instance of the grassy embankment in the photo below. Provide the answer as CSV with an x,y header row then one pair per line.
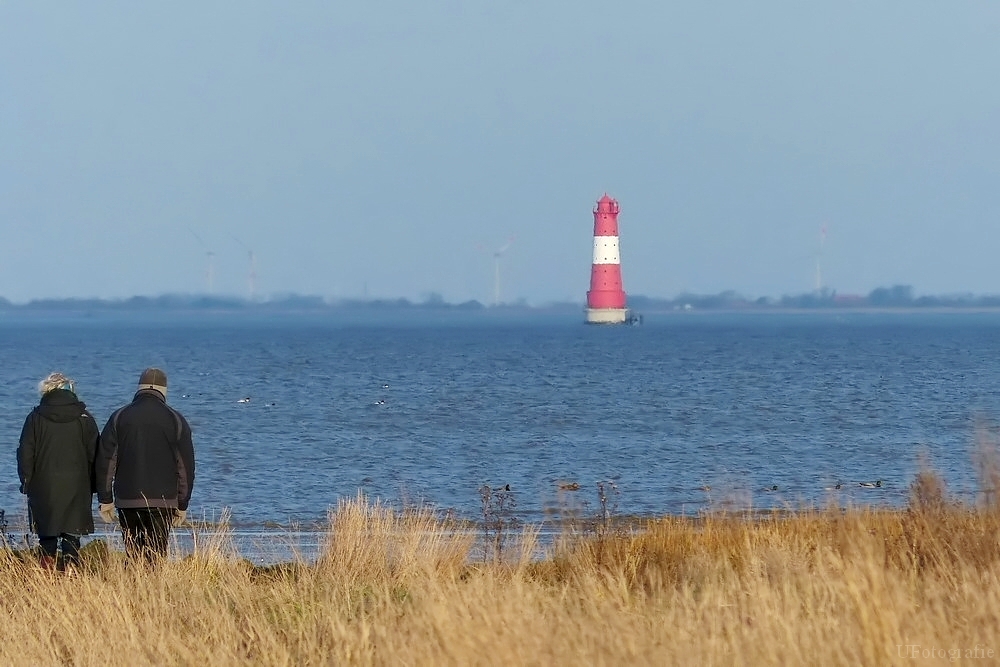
x,y
828,587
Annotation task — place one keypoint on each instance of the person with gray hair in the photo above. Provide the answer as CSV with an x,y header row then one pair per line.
x,y
55,462
145,468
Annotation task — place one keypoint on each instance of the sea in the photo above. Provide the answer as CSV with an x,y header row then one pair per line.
x,y
687,413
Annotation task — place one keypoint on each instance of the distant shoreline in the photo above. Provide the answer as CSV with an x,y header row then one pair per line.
x,y
493,312
898,300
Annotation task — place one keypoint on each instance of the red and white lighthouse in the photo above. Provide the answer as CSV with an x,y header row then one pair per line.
x,y
606,298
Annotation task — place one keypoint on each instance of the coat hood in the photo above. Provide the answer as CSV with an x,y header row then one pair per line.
x,y
60,405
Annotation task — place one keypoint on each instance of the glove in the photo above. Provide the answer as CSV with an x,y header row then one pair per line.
x,y
107,511
178,519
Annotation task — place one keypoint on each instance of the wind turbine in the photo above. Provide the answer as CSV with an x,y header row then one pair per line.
x,y
819,257
210,271
252,277
497,254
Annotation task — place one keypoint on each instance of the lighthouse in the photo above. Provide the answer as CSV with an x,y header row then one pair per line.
x,y
606,298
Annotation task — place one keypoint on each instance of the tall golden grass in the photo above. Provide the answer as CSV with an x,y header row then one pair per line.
x,y
817,587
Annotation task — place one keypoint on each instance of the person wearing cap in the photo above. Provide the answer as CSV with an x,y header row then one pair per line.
x,y
55,462
145,468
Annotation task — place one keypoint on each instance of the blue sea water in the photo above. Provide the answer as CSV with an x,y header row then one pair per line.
x,y
428,411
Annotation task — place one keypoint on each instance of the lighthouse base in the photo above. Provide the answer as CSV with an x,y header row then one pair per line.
x,y
607,315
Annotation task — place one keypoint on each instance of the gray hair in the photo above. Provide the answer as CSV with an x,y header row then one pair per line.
x,y
55,381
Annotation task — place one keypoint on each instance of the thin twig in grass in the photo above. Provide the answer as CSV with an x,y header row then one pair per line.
x,y
498,507
986,460
607,496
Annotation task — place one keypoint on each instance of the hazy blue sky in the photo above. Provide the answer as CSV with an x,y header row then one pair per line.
x,y
377,145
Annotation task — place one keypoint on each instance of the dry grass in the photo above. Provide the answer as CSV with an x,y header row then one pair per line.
x,y
828,587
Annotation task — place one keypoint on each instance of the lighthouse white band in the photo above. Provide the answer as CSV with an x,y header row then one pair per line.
x,y
606,250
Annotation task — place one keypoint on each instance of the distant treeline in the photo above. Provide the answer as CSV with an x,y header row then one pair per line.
x,y
897,296
291,302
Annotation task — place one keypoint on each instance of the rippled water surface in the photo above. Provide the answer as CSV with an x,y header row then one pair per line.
x,y
430,411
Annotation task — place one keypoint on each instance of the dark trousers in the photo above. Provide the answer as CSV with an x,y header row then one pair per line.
x,y
70,547
146,531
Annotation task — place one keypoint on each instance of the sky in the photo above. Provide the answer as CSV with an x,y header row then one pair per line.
x,y
386,149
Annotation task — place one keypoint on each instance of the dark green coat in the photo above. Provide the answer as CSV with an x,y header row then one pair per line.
x,y
55,461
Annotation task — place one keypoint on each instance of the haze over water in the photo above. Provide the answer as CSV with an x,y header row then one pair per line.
x,y
429,410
